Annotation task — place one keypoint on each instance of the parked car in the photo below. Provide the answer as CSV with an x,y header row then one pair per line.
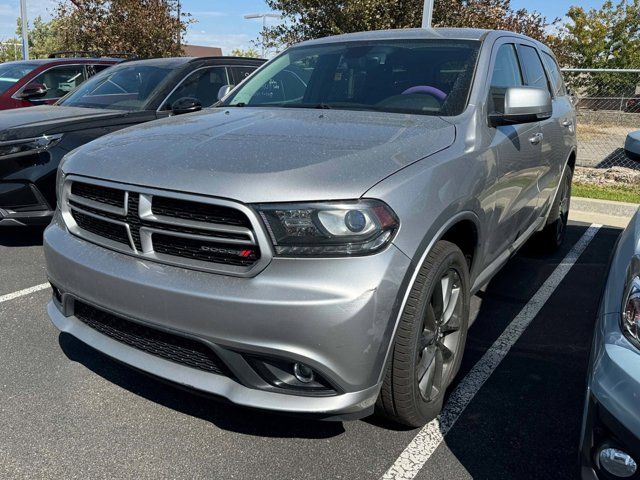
x,y
33,140
26,83
311,245
610,446
632,146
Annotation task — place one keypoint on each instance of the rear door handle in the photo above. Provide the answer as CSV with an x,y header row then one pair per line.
x,y
536,139
567,123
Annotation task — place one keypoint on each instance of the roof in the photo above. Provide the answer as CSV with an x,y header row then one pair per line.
x,y
406,34
46,61
170,62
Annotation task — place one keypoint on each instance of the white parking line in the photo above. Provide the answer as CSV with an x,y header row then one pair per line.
x,y
416,454
22,293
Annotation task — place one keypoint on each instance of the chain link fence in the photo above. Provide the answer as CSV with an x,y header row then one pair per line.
x,y
608,108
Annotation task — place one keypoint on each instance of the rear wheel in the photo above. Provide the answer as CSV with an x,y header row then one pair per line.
x,y
430,340
551,237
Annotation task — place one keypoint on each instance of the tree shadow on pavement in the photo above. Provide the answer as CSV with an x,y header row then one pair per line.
x,y
21,236
212,409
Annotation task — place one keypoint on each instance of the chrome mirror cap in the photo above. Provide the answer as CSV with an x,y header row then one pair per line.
x,y
224,90
523,105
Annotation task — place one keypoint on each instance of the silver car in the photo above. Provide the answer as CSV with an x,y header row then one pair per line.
x,y
610,446
311,244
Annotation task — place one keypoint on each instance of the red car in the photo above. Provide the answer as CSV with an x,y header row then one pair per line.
x,y
26,83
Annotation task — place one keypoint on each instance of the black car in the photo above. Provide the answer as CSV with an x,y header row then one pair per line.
x,y
34,140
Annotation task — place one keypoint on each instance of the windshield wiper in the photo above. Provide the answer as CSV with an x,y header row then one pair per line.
x,y
322,106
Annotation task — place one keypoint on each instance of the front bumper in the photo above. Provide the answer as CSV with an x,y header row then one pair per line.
x,y
9,218
335,315
22,204
612,410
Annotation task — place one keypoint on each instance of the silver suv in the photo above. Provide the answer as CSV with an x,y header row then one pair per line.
x,y
311,244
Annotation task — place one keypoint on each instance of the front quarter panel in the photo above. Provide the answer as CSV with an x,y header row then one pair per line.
x,y
436,192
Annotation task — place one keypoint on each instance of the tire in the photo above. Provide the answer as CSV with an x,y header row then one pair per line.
x,y
406,396
552,236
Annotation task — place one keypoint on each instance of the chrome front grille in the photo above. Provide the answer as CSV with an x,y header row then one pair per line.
x,y
179,229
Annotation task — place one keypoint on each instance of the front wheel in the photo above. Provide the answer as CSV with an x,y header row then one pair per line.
x,y
430,339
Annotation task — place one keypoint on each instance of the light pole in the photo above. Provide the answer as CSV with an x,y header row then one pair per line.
x,y
264,17
427,14
25,33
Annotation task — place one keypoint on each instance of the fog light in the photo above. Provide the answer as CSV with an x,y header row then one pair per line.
x,y
617,463
303,373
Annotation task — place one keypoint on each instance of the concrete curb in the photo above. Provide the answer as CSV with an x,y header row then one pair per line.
x,y
604,212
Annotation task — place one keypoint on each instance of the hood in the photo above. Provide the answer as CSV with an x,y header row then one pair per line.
x,y
34,121
264,154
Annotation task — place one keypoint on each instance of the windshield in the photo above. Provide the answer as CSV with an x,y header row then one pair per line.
x,y
124,87
10,73
428,77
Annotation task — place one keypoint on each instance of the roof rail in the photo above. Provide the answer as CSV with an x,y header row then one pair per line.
x,y
85,53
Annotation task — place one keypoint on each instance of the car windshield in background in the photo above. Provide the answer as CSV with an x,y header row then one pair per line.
x,y
10,73
428,77
125,87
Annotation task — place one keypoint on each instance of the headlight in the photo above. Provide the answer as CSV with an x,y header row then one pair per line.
x,y
25,146
329,229
631,312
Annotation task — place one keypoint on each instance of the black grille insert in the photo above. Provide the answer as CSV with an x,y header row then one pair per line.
x,y
97,193
102,228
175,348
201,212
205,250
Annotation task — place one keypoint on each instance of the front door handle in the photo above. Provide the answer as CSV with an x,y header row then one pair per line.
x,y
536,139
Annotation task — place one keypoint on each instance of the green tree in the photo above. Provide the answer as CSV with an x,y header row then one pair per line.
x,y
44,37
145,28
249,52
608,37
305,19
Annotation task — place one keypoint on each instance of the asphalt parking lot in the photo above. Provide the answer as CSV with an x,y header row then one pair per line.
x,y
67,411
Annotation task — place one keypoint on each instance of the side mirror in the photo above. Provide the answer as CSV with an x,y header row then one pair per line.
x,y
224,90
186,105
632,146
521,105
33,90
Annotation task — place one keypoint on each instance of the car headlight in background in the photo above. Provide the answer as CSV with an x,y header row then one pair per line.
x,y
59,183
319,229
25,146
631,312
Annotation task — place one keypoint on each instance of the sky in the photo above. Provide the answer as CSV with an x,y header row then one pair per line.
x,y
220,23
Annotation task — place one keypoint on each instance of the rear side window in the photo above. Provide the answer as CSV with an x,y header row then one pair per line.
x,y
533,69
556,75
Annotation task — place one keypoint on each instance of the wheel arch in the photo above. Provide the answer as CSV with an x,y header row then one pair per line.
x,y
452,229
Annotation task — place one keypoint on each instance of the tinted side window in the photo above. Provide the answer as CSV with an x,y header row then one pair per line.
x,y
532,66
201,84
240,73
555,73
506,72
60,80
